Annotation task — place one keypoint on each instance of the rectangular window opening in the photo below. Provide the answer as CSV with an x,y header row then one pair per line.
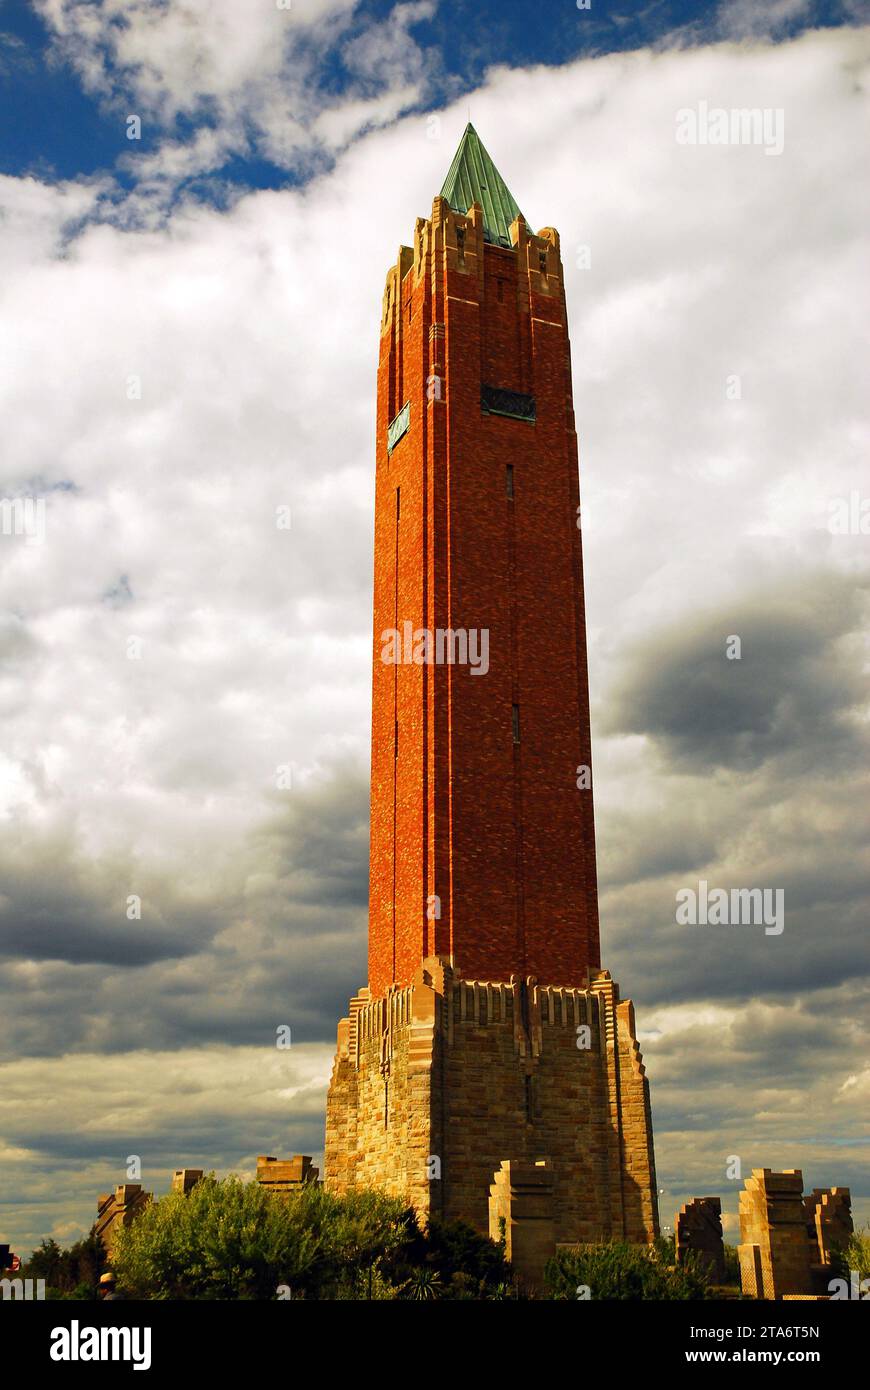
x,y
517,405
510,481
515,716
398,426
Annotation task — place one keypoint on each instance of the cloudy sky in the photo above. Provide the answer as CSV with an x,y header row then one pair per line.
x,y
188,339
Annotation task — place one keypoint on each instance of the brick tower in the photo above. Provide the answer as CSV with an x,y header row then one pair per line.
x,y
488,1033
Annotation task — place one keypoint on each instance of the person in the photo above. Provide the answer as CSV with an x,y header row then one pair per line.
x,y
107,1290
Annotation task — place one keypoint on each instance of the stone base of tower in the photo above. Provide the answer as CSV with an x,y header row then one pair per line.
x,y
435,1085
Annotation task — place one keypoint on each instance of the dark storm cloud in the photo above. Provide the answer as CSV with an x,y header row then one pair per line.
x,y
212,1140
823,942
811,1034
320,843
745,760
793,692
56,907
281,940
638,846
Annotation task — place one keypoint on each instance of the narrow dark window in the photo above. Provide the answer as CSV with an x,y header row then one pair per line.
x,y
510,480
542,261
530,1111
515,712
460,244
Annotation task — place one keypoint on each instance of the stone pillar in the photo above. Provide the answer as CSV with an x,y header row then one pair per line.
x,y
521,1210
184,1179
698,1231
285,1174
829,1221
118,1209
775,1253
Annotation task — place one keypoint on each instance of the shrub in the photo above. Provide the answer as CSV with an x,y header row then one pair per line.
x,y
454,1249
617,1270
856,1254
232,1240
732,1265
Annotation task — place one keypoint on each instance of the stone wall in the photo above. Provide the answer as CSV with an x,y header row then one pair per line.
x,y
774,1251
118,1209
285,1174
788,1241
521,1213
185,1179
698,1232
828,1212
436,1085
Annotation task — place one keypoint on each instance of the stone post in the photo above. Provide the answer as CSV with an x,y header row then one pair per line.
x,y
775,1253
698,1230
521,1209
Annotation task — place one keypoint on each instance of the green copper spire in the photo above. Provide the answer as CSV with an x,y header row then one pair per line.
x,y
473,178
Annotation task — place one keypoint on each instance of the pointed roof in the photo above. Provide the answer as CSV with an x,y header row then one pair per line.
x,y
473,178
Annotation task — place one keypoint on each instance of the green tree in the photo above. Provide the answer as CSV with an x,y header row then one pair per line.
x,y
72,1273
233,1240
46,1262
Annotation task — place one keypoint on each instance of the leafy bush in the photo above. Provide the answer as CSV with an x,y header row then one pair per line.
x,y
617,1270
856,1254
463,1259
665,1249
233,1240
732,1265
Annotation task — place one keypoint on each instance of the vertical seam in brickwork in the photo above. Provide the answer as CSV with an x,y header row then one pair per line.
x,y
426,405
448,565
395,714
516,748
581,656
